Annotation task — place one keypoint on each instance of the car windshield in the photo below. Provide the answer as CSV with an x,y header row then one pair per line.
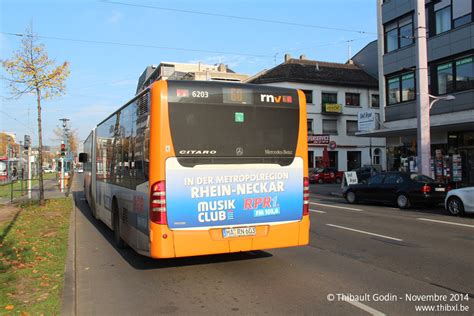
x,y
421,178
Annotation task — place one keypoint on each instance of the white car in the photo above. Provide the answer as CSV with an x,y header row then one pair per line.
x,y
460,201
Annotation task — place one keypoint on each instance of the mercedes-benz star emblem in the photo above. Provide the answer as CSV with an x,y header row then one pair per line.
x,y
239,151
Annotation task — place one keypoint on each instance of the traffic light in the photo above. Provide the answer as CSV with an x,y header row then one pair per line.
x,y
63,150
27,142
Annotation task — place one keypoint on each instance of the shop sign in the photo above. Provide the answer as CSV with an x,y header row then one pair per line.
x,y
318,139
332,145
332,108
350,177
366,121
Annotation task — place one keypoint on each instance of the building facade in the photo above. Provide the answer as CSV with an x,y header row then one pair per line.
x,y
182,71
335,94
450,47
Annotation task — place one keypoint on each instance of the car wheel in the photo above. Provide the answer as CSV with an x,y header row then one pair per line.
x,y
338,180
320,181
455,206
403,201
351,197
116,224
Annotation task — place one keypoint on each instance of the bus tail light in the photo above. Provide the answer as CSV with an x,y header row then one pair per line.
x,y
305,196
158,203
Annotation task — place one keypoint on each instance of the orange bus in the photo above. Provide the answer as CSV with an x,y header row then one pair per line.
x,y
192,168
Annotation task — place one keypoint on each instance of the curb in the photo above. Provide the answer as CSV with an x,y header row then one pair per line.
x,y
68,297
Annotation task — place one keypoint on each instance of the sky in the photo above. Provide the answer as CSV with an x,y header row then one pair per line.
x,y
104,76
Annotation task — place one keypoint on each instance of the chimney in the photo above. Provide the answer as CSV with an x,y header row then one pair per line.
x,y
222,68
287,57
302,57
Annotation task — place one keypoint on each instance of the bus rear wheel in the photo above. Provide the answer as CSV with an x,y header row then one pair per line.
x,y
116,225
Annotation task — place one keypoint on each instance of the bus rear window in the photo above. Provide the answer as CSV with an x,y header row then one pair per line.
x,y
233,123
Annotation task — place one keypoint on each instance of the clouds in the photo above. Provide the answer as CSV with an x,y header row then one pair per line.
x,y
114,18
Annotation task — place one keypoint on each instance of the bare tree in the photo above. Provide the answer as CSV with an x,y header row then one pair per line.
x,y
31,71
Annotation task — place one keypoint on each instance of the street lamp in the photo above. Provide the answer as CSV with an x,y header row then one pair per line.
x,y
448,97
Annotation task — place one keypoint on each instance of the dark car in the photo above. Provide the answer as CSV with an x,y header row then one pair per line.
x,y
400,188
364,173
325,175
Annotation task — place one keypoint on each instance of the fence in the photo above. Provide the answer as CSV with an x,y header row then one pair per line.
x,y
17,189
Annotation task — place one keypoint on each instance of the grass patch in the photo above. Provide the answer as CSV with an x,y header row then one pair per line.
x,y
33,248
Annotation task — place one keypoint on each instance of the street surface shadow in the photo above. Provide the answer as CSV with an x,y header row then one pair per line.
x,y
144,263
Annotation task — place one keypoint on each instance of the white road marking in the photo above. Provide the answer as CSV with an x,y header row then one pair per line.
x,y
366,308
364,232
316,211
336,206
443,222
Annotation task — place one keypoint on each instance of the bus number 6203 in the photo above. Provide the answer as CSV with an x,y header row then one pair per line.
x,y
200,94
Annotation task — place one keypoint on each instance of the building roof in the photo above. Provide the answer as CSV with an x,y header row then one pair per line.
x,y
317,72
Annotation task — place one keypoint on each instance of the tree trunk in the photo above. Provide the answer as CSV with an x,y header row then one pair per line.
x,y
40,149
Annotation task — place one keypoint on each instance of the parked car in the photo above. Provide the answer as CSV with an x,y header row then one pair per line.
x,y
460,201
400,188
364,173
325,175
48,170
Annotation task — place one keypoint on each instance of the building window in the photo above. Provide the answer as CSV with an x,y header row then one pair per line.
x,y
328,98
375,101
351,128
450,14
408,87
310,126
456,75
399,33
443,16
376,157
330,127
353,99
309,96
462,12
401,88
353,160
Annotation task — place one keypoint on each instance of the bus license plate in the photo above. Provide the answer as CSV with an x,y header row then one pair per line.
x,y
239,232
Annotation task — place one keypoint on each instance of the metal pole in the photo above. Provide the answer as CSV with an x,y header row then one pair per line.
x,y
423,104
29,172
21,167
62,175
380,50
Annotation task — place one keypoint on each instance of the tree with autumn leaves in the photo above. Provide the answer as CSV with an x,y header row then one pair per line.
x,y
31,71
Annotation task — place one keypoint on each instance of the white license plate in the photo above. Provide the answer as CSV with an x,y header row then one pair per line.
x,y
439,189
239,232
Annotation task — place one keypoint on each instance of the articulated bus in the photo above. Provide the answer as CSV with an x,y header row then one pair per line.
x,y
192,168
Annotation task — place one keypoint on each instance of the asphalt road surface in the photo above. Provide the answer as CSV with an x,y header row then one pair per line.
x,y
361,260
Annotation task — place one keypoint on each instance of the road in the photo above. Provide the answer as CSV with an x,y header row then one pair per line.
x,y
375,252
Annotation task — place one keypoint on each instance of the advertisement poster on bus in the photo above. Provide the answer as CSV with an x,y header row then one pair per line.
x,y
221,195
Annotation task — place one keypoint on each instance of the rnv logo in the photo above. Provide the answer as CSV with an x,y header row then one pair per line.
x,y
276,99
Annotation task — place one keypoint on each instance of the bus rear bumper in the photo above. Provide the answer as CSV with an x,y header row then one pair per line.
x,y
165,243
